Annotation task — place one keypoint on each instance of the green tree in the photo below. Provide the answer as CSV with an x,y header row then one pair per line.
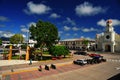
x,y
85,43
0,41
23,46
59,50
17,38
45,33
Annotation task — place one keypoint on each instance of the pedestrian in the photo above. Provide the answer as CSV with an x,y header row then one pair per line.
x,y
30,62
40,68
12,69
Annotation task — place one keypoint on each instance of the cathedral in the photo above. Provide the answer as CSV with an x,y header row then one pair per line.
x,y
109,40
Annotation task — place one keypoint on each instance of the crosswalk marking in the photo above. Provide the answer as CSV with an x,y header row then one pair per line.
x,y
117,68
113,60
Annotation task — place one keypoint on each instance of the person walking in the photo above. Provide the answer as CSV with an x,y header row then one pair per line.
x,y
30,62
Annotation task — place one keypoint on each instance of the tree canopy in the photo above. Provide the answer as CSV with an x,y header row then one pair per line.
x,y
45,33
0,41
85,42
59,50
17,38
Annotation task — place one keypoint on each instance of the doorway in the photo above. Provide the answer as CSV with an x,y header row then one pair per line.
x,y
107,48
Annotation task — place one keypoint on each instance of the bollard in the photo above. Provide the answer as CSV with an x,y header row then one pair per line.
x,y
46,67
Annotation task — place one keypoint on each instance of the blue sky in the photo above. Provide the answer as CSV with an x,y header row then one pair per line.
x,y
73,18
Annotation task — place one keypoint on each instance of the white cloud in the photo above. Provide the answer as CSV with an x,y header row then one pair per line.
x,y
60,32
69,21
36,8
89,29
75,34
88,38
3,19
54,15
67,34
24,29
24,35
22,26
102,22
1,25
115,22
82,37
66,28
6,34
31,23
75,28
87,9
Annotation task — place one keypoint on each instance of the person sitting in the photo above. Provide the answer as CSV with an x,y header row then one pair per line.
x,y
53,66
40,68
46,67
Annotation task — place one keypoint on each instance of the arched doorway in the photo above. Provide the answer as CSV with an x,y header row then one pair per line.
x,y
107,48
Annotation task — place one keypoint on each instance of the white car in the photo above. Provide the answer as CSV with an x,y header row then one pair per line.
x,y
80,62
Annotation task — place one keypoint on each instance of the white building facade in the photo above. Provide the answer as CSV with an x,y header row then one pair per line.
x,y
77,44
108,41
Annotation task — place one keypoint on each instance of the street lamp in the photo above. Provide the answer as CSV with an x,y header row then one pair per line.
x,y
28,36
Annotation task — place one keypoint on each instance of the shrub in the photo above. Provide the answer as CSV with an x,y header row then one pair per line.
x,y
59,50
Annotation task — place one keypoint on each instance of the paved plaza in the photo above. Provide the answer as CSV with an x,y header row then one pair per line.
x,y
66,70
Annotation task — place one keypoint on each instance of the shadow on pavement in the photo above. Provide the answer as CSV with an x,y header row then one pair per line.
x,y
115,77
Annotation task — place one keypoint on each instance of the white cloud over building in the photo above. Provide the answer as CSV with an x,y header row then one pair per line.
x,y
102,22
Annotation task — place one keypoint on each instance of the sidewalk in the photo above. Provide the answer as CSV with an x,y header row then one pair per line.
x,y
14,62
18,65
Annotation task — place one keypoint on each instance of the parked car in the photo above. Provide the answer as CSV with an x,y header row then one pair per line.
x,y
80,62
81,53
96,59
94,55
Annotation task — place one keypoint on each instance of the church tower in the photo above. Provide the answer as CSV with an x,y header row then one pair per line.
x,y
109,31
109,37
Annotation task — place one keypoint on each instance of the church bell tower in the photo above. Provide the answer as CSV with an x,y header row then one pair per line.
x,y
109,32
109,37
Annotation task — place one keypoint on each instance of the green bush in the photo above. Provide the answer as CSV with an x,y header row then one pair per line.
x,y
16,57
59,50
24,46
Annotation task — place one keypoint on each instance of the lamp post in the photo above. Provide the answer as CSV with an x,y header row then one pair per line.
x,y
20,47
28,36
28,48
